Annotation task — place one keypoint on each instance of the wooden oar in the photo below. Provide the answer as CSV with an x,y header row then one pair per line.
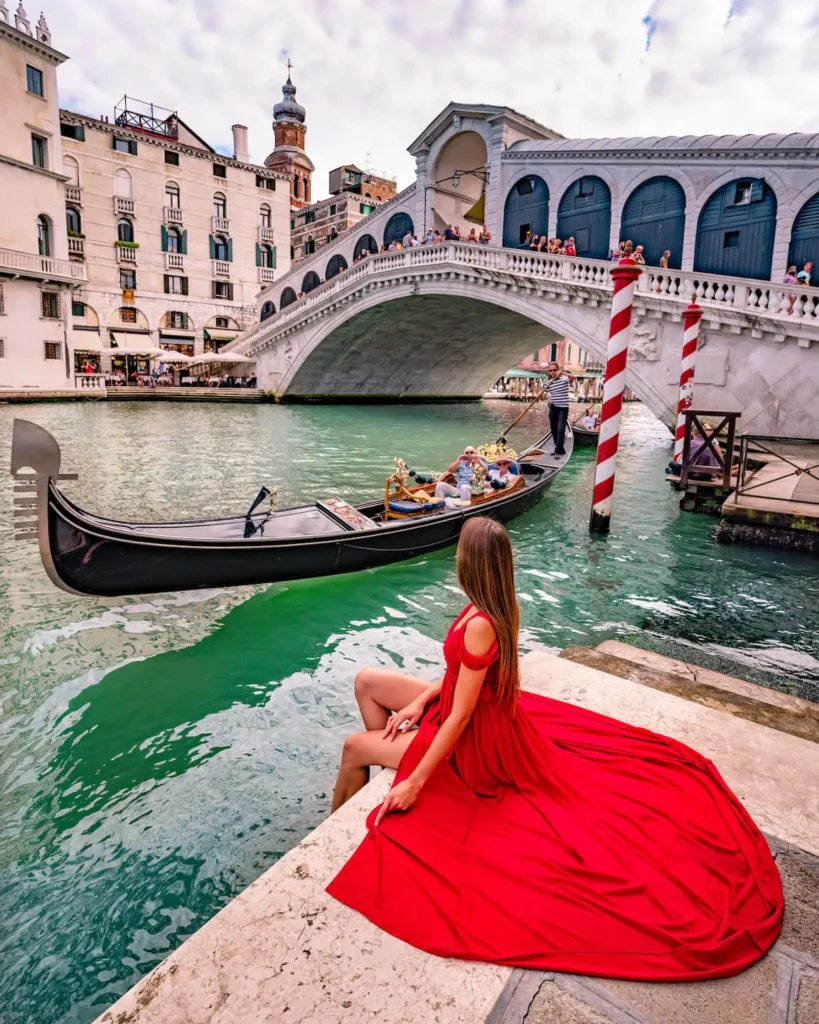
x,y
519,418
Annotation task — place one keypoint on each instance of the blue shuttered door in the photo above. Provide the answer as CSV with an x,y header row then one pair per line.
x,y
397,226
654,217
585,215
335,266
526,210
735,233
805,238
365,244
311,281
288,297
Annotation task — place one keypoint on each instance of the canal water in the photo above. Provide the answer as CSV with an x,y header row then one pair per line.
x,y
157,754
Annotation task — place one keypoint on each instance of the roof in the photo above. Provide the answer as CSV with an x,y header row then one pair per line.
x,y
723,143
484,110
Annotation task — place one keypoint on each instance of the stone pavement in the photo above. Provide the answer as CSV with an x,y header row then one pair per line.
x,y
283,951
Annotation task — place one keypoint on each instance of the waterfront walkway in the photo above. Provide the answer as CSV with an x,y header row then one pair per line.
x,y
131,393
284,951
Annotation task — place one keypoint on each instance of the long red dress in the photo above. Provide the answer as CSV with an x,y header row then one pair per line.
x,y
559,839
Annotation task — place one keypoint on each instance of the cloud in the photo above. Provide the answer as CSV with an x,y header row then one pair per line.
x,y
373,73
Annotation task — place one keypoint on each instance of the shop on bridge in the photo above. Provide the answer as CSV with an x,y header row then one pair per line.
x,y
584,214
804,247
654,217
397,226
735,232
526,211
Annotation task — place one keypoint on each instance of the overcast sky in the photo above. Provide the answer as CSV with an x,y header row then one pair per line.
x,y
373,73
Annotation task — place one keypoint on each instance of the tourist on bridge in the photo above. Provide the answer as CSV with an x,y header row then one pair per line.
x,y
430,236
536,833
570,249
406,241
557,388
804,274
461,469
791,277
666,256
472,237
449,234
638,255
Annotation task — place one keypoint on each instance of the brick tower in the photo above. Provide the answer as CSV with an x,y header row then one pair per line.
x,y
289,156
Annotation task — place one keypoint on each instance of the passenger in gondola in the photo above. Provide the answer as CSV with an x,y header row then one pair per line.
x,y
500,474
461,469
590,420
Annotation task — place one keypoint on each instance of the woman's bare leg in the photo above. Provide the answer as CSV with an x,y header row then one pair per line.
x,y
382,690
362,750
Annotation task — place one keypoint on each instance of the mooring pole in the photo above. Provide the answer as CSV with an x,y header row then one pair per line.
x,y
625,276
691,331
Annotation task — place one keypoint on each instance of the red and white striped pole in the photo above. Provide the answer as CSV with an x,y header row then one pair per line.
x,y
625,276
691,331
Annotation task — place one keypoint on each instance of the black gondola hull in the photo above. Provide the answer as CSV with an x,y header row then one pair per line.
x,y
585,438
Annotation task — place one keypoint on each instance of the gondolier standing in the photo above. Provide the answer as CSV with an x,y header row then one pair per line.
x,y
557,388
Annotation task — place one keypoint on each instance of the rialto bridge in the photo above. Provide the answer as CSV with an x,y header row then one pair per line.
x,y
445,321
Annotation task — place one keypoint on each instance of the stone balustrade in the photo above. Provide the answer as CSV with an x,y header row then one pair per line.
x,y
89,381
123,205
221,268
174,261
76,248
73,194
220,224
266,275
125,254
25,264
267,234
173,215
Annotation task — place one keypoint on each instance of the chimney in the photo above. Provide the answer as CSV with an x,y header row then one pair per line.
x,y
240,151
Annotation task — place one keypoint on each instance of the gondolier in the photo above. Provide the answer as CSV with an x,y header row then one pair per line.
x,y
557,388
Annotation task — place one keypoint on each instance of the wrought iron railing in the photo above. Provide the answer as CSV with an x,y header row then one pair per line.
x,y
786,457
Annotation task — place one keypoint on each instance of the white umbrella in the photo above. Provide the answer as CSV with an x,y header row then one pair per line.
x,y
220,359
170,355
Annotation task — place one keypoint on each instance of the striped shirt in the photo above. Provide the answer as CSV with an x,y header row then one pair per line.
x,y
558,390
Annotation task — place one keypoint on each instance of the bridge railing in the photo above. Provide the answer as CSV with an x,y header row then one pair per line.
x,y
742,294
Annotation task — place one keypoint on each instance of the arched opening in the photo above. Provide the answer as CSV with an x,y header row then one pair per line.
x,y
219,204
129,316
267,256
172,195
309,245
122,184
397,227
366,245
296,186
71,169
735,232
654,217
73,221
525,212
268,309
804,247
125,230
43,235
460,183
287,298
311,281
221,248
335,266
174,240
584,214
265,216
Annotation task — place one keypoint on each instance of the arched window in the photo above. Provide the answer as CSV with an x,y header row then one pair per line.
x,y
525,212
123,184
72,221
654,217
265,216
804,247
268,309
125,230
220,248
221,321
584,214
333,234
174,240
288,297
296,186
335,266
735,231
266,256
71,169
366,244
219,204
172,195
43,235
397,226
311,281
309,246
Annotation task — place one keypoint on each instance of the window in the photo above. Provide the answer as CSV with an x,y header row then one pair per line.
x,y
178,320
309,217
569,353
221,321
172,195
292,223
268,183
296,187
332,209
174,240
77,308
175,285
365,208
221,248
585,187
39,151
526,186
265,216
223,290
553,353
125,230
219,204
2,349
73,131
523,233
73,222
267,256
731,240
71,169
309,246
171,157
743,195
43,236
34,81
127,280
2,299
219,171
50,305
125,146
268,309
52,350
123,185
128,315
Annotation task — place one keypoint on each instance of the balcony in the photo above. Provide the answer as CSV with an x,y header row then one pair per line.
x,y
221,268
220,224
173,215
126,255
174,261
267,234
266,275
42,268
122,205
76,249
73,194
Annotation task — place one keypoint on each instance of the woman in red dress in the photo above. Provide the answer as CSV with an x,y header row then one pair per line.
x,y
534,833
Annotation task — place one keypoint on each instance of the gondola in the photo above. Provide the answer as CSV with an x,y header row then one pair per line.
x,y
584,438
88,554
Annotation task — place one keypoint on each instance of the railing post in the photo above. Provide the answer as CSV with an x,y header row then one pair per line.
x,y
691,329
625,276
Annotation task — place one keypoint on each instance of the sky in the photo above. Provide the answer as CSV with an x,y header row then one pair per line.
x,y
373,73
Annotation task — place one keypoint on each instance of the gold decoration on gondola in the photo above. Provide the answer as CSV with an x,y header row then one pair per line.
x,y
398,481
494,450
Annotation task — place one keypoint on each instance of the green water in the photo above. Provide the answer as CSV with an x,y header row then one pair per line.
x,y
157,754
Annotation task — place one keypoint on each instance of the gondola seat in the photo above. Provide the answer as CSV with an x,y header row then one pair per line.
x,y
413,508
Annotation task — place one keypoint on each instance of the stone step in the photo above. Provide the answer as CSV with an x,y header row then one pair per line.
x,y
744,700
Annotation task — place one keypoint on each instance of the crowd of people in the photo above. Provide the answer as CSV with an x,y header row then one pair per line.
x,y
432,237
551,246
800,278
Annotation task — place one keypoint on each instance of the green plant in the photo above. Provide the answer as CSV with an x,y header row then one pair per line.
x,y
76,234
127,245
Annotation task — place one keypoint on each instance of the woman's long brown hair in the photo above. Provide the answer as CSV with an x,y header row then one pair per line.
x,y
486,573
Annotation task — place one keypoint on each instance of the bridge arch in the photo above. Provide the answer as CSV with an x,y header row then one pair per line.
x,y
288,297
365,243
736,229
804,244
654,217
526,210
397,226
336,264
584,213
310,281
459,181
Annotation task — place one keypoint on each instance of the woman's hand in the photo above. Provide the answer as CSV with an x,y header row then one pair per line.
x,y
411,714
399,798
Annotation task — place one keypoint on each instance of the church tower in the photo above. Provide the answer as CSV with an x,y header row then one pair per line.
x,y
289,156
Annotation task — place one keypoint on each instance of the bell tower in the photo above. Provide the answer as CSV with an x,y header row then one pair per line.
x,y
289,156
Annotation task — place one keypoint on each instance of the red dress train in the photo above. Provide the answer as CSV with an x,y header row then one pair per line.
x,y
559,839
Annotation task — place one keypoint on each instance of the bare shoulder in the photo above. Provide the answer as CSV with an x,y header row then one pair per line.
x,y
479,635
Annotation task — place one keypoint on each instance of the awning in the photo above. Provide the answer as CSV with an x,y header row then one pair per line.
x,y
186,339
134,342
220,337
93,344
515,372
478,212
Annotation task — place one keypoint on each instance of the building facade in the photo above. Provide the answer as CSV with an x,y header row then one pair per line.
x,y
36,277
